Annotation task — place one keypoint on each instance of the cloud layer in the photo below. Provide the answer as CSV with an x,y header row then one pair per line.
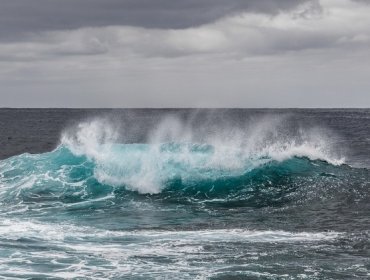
x,y
313,25
246,38
18,17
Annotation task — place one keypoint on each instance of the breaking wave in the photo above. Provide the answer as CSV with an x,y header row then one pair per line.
x,y
258,168
211,196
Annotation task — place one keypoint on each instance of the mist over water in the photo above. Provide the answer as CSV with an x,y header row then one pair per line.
x,y
175,150
207,194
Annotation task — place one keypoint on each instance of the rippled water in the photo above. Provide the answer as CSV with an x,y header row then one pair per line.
x,y
189,195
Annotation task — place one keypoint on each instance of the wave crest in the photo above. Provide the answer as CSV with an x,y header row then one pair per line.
x,y
147,168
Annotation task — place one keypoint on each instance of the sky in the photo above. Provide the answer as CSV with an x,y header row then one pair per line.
x,y
185,53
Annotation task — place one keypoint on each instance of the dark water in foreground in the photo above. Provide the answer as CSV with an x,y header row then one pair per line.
x,y
184,194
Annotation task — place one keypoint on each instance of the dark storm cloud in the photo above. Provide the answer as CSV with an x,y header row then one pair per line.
x,y
19,17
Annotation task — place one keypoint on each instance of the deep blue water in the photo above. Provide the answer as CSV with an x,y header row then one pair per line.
x,y
184,194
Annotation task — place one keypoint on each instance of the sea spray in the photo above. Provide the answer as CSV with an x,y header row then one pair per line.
x,y
188,197
173,155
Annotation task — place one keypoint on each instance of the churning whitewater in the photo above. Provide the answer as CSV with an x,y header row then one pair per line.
x,y
89,152
187,202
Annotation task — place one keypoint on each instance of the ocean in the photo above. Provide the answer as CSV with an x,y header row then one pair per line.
x,y
184,194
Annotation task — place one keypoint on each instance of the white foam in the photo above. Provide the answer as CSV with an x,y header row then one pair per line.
x,y
90,138
14,229
234,151
123,253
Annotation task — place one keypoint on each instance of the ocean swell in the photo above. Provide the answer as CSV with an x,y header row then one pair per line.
x,y
173,156
91,164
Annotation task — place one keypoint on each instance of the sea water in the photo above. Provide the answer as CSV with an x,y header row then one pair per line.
x,y
185,194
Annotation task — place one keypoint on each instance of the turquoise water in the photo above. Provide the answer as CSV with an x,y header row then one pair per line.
x,y
95,208
66,216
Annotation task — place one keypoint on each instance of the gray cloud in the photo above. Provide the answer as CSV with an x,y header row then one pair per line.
x,y
19,17
185,54
314,25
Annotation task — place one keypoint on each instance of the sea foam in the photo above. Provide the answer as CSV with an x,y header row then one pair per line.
x,y
174,151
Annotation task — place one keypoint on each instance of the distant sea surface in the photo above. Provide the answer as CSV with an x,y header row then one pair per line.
x,y
184,194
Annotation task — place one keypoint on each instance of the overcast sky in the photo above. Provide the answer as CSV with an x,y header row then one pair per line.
x,y
184,53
